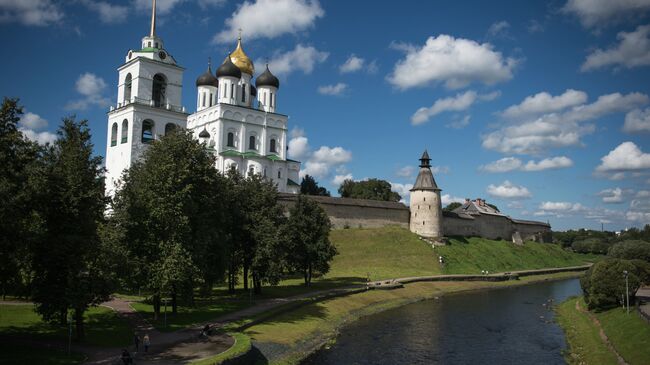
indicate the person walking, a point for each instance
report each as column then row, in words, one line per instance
column 146, row 342
column 136, row 342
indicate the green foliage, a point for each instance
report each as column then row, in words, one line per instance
column 591, row 245
column 567, row 238
column 603, row 284
column 631, row 249
column 373, row 189
column 451, row 206
column 309, row 186
column 636, row 234
column 309, row 250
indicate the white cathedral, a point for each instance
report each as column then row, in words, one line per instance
column 235, row 120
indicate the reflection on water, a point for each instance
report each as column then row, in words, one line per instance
column 505, row 326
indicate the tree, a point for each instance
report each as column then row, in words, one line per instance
column 373, row 189
column 603, row 284
column 309, row 186
column 19, row 159
column 591, row 245
column 451, row 206
column 171, row 210
column 493, row 207
column 631, row 249
column 309, row 250
column 68, row 265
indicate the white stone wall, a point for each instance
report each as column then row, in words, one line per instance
column 426, row 213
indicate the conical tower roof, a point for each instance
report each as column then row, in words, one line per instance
column 425, row 180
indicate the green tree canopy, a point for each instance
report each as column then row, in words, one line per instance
column 373, row 189
column 451, row 206
column 603, row 284
column 631, row 249
column 309, row 186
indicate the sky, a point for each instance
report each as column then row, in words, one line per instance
column 542, row 108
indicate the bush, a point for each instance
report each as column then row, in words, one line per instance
column 631, row 249
column 603, row 284
column 591, row 245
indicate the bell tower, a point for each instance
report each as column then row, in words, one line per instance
column 426, row 206
column 148, row 104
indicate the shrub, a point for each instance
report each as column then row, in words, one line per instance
column 591, row 245
column 631, row 249
column 603, row 284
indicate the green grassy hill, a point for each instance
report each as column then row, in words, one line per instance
column 392, row 252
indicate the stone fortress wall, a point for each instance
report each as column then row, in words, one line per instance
column 360, row 213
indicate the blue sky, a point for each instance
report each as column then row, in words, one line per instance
column 542, row 108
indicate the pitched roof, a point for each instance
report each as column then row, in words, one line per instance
column 425, row 180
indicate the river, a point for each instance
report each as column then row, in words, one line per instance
column 502, row 326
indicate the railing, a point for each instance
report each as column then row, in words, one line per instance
column 149, row 102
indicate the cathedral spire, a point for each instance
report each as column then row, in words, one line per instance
column 153, row 19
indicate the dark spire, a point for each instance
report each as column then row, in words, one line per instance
column 425, row 160
column 425, row 180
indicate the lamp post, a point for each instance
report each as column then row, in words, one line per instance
column 627, row 293
column 69, row 332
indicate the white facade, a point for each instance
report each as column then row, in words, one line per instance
column 244, row 134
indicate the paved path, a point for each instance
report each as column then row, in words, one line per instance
column 643, row 294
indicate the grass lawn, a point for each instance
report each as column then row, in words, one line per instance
column 23, row 354
column 628, row 333
column 582, row 335
column 203, row 311
column 302, row 329
column 103, row 326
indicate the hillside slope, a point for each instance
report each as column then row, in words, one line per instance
column 392, row 252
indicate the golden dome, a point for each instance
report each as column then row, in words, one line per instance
column 241, row 60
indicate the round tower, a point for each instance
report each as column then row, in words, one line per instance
column 267, row 90
column 426, row 206
column 206, row 86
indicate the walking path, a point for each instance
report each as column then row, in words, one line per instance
column 602, row 334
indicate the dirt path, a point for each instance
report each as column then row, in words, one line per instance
column 601, row 332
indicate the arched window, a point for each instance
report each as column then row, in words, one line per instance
column 147, row 131
column 251, row 143
column 231, row 139
column 128, row 82
column 279, row 174
column 169, row 127
column 203, row 99
column 251, row 171
column 125, row 131
column 243, row 93
column 273, row 148
column 232, row 91
column 271, row 101
column 114, row 135
column 159, row 90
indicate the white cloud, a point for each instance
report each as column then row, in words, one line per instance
column 303, row 58
column 543, row 102
column 32, row 121
column 627, row 156
column 352, row 64
column 562, row 129
column 270, row 19
column 561, row 206
column 163, row 7
column 43, row 138
column 502, row 165
column 30, row 12
column 205, row 4
column 339, row 179
column 447, row 199
column 108, row 13
column 456, row 62
column 459, row 123
column 335, row 90
column 499, row 29
column 641, row 217
column 637, row 121
column 633, row 50
column 91, row 87
column 613, row 196
column 333, row 156
column 452, row 103
column 321, row 162
column 596, row 13
column 404, row 190
column 406, row 171
column 548, row 164
column 298, row 147
column 508, row 190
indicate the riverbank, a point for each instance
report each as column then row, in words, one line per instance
column 290, row 337
column 609, row 337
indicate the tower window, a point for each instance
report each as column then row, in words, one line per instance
column 147, row 131
column 279, row 174
column 128, row 82
column 273, row 147
column 159, row 90
column 231, row 140
column 251, row 143
column 169, row 127
column 203, row 99
column 232, row 91
column 125, row 131
column 424, row 199
column 114, row 135
column 271, row 103
column 243, row 93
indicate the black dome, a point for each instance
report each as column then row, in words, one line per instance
column 207, row 79
column 267, row 79
column 253, row 91
column 228, row 69
column 204, row 134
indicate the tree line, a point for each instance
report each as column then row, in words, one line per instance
column 175, row 225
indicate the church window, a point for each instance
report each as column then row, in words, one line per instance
column 125, row 131
column 251, row 143
column 114, row 135
column 231, row 139
column 224, row 92
column 271, row 103
column 210, row 99
column 265, row 172
column 243, row 93
column 232, row 91
column 148, row 44
column 159, row 90
column 273, row 147
column 147, row 131
column 203, row 99
column 169, row 127
column 128, row 82
column 279, row 174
